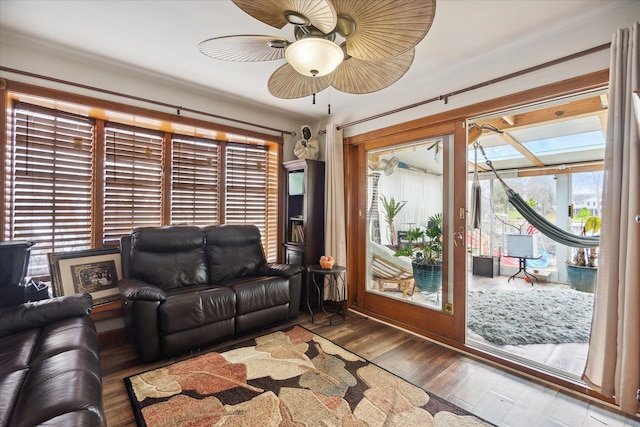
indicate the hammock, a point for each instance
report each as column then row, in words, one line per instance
column 476, row 195
column 547, row 228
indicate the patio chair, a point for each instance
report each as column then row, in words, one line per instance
column 387, row 269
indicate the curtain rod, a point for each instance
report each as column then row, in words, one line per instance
column 178, row 108
column 446, row 97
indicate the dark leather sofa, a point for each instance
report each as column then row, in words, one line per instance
column 50, row 364
column 187, row 287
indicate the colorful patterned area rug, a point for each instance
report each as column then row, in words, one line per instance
column 289, row 378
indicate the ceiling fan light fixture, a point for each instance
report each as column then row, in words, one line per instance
column 314, row 57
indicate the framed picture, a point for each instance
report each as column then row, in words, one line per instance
column 95, row 271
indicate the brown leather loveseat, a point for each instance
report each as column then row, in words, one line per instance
column 187, row 287
column 50, row 364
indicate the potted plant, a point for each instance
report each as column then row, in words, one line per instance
column 427, row 264
column 410, row 248
column 391, row 210
column 583, row 270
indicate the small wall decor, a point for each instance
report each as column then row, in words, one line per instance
column 306, row 147
column 94, row 271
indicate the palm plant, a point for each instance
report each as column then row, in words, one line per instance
column 586, row 257
column 391, row 210
column 582, row 272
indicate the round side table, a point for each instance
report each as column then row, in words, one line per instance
column 335, row 283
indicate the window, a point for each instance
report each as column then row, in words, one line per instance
column 250, row 191
column 49, row 182
column 194, row 181
column 133, row 180
column 72, row 182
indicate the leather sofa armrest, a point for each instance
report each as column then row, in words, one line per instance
column 294, row 274
column 284, row 270
column 44, row 312
column 134, row 289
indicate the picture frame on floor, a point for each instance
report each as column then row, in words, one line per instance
column 94, row 271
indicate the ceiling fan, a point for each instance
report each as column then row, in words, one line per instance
column 355, row 46
column 388, row 166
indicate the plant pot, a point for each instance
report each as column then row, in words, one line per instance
column 428, row 277
column 486, row 266
column 582, row 278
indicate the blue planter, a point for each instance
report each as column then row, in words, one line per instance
column 428, row 278
column 582, row 278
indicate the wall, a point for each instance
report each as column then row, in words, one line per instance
column 88, row 69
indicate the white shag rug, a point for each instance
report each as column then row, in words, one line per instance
column 534, row 316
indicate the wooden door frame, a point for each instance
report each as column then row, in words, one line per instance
column 427, row 322
column 445, row 328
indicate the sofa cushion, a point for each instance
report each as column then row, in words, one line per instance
column 56, row 375
column 233, row 251
column 168, row 257
column 64, row 384
column 16, row 351
column 76, row 333
column 258, row 293
column 189, row 308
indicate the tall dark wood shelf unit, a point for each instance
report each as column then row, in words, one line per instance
column 304, row 212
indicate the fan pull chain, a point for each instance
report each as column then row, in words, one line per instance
column 314, row 99
column 329, row 109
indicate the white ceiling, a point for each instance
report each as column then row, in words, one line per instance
column 162, row 37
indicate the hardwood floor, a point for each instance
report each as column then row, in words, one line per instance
column 497, row 396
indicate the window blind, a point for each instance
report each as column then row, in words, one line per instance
column 249, row 184
column 133, row 180
column 49, row 182
column 194, row 181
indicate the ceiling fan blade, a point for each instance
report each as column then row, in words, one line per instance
column 319, row 13
column 359, row 76
column 287, row 83
column 244, row 48
column 384, row 29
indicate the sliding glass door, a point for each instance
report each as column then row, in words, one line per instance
column 521, row 303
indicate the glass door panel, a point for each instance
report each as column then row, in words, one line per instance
column 405, row 222
column 551, row 154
